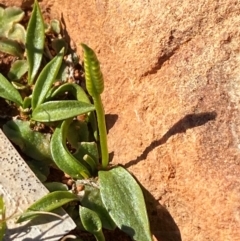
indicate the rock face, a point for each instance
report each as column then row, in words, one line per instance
column 172, row 94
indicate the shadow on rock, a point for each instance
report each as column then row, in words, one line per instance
column 111, row 119
column 187, row 122
column 163, row 226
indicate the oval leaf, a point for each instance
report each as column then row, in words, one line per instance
column 93, row 201
column 55, row 26
column 13, row 14
column 17, row 33
column 34, row 144
column 80, row 95
column 27, row 102
column 7, row 91
column 18, row 69
column 41, row 169
column 62, row 157
column 91, row 222
column 35, row 41
column 8, row 17
column 87, row 148
column 123, row 198
column 78, row 131
column 47, row 203
column 60, row 110
column 11, row 47
column 46, row 79
column 55, row 186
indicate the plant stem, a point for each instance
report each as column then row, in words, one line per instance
column 99, row 236
column 102, row 129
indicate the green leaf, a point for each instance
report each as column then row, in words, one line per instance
column 40, row 168
column 19, row 86
column 89, row 148
column 3, row 224
column 93, row 201
column 74, row 89
column 13, row 14
column 91, row 163
column 47, row 203
column 80, row 95
column 77, row 132
column 11, row 47
column 49, row 93
column 27, row 102
column 46, row 79
column 8, row 17
column 35, row 38
column 58, row 44
column 94, row 125
column 55, row 186
column 91, row 222
column 18, row 69
column 55, row 26
column 61, row 155
column 17, row 33
column 60, row 110
column 88, row 152
column 63, row 72
column 123, row 198
column 7, row 91
column 33, row 144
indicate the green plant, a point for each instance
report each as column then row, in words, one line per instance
column 116, row 200
column 2, row 218
column 34, row 93
column 12, row 34
column 111, row 197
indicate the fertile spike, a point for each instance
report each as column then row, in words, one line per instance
column 93, row 74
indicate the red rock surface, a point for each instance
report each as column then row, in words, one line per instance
column 172, row 98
